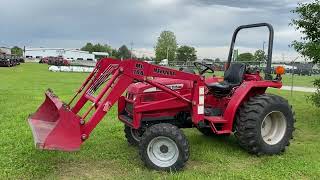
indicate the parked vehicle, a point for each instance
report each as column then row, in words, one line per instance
column 164, row 62
column 303, row 70
column 44, row 60
column 7, row 60
column 57, row 61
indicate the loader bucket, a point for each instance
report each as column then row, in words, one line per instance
column 54, row 126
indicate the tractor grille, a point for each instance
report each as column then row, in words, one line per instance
column 129, row 107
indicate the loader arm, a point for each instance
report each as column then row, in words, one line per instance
column 125, row 73
column 59, row 126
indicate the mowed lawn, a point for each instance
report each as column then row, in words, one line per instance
column 106, row 155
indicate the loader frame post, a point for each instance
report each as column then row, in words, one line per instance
column 122, row 82
column 92, row 79
column 102, row 93
column 84, row 85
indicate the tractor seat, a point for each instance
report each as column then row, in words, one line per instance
column 232, row 77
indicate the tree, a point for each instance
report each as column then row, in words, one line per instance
column 123, row 52
column 217, row 60
column 114, row 53
column 259, row 55
column 307, row 23
column 17, row 51
column 97, row 48
column 166, row 46
column 108, row 49
column 186, row 54
column 245, row 57
column 88, row 47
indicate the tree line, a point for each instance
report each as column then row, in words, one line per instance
column 122, row 53
column 167, row 48
column 258, row 55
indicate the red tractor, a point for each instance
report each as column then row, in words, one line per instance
column 159, row 101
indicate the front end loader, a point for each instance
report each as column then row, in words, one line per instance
column 155, row 102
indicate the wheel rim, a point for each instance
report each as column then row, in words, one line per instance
column 273, row 127
column 163, row 151
column 135, row 134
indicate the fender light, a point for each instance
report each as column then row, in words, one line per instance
column 280, row 70
column 134, row 97
column 131, row 96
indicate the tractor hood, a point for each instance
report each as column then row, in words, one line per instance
column 175, row 84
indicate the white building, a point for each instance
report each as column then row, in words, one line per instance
column 5, row 50
column 70, row 54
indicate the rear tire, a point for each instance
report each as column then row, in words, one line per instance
column 164, row 147
column 265, row 124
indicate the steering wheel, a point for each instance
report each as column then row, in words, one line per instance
column 201, row 70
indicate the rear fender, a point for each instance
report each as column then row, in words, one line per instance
column 242, row 94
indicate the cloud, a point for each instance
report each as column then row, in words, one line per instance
column 204, row 24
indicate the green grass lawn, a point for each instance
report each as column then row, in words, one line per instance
column 107, row 155
column 304, row 81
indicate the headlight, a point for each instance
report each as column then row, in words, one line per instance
column 131, row 96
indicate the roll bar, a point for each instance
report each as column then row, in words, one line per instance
column 268, row 75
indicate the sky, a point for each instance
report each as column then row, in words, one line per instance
column 206, row 25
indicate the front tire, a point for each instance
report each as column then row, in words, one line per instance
column 133, row 136
column 164, row 147
column 265, row 124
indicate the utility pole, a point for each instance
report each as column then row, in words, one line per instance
column 263, row 45
column 264, row 56
column 235, row 55
column 292, row 74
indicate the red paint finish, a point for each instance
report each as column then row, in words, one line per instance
column 61, row 126
column 247, row 89
column 54, row 126
column 153, row 92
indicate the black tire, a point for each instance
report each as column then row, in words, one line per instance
column 248, row 127
column 133, row 136
column 175, row 135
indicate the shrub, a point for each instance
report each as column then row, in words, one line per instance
column 315, row 98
